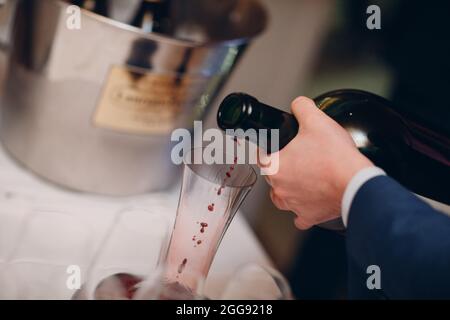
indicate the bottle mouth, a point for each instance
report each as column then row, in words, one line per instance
column 232, row 111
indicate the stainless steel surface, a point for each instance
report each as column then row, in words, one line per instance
column 57, row 117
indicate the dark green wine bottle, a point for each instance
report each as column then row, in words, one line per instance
column 416, row 156
column 100, row 7
column 152, row 16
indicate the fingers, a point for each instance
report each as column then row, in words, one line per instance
column 277, row 201
column 302, row 223
column 263, row 159
column 304, row 109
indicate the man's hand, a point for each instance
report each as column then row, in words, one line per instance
column 315, row 167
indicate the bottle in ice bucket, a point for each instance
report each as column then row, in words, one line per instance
column 152, row 15
column 100, row 7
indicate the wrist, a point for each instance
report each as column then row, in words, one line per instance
column 349, row 169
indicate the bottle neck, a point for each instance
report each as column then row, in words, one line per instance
column 242, row 111
column 151, row 15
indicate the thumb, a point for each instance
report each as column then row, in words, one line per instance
column 304, row 109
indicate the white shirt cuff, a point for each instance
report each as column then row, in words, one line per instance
column 355, row 183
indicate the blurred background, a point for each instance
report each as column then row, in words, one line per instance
column 313, row 46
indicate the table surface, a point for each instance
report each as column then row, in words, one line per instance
column 22, row 193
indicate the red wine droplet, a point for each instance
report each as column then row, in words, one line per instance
column 182, row 265
column 211, row 207
column 199, row 242
column 219, row 192
column 203, row 225
column 228, row 175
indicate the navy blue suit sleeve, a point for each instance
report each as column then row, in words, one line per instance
column 390, row 227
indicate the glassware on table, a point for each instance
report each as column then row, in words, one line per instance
column 156, row 287
column 131, row 250
column 209, row 198
column 255, row 282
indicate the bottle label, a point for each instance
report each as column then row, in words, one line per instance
column 139, row 101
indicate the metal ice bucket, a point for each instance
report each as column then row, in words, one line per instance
column 93, row 109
